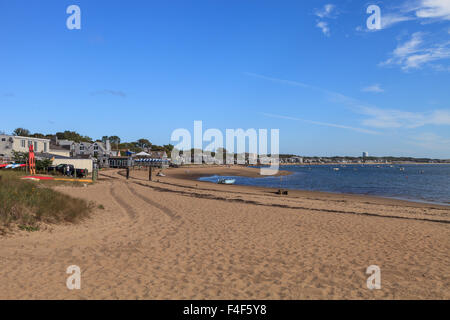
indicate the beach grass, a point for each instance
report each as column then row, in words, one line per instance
column 27, row 203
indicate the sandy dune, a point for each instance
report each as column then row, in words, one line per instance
column 183, row 239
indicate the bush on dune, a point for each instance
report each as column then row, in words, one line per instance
column 27, row 203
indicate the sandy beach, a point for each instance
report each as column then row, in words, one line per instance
column 178, row 238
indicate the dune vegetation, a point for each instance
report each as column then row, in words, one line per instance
column 28, row 203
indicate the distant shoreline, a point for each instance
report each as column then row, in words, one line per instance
column 193, row 173
column 361, row 164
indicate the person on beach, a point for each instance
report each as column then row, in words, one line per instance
column 68, row 170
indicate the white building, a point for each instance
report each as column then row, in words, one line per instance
column 365, row 154
column 8, row 144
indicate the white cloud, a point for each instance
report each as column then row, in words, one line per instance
column 430, row 141
column 319, row 123
column 382, row 118
column 326, row 12
column 422, row 10
column 388, row 20
column 441, row 68
column 416, row 52
column 376, row 88
column 434, row 9
column 324, row 27
column 375, row 117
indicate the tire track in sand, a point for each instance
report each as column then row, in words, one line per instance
column 173, row 228
column 177, row 220
column 164, row 209
column 128, row 209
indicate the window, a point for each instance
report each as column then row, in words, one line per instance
column 3, row 139
column 95, row 147
column 45, row 146
column 22, row 143
column 30, row 143
column 35, row 146
column 81, row 146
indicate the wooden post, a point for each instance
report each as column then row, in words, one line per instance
column 150, row 173
column 94, row 173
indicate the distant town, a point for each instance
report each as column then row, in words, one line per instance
column 83, row 152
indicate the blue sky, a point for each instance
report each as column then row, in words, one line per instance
column 309, row 68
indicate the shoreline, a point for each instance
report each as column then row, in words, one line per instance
column 178, row 238
column 194, row 173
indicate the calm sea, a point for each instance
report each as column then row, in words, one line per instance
column 425, row 183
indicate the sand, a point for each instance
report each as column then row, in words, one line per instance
column 183, row 239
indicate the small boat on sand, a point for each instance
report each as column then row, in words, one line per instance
column 226, row 181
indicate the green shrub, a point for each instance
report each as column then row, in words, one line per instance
column 27, row 203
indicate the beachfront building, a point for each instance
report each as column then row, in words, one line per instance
column 119, row 162
column 151, row 158
column 10, row 144
column 98, row 150
column 294, row 160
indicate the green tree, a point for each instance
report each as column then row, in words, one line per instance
column 168, row 147
column 21, row 132
column 157, row 148
column 72, row 136
column 42, row 165
column 104, row 138
column 20, row 157
column 38, row 135
column 143, row 143
column 115, row 141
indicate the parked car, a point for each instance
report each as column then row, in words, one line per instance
column 62, row 169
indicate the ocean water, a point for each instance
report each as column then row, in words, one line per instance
column 424, row 183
